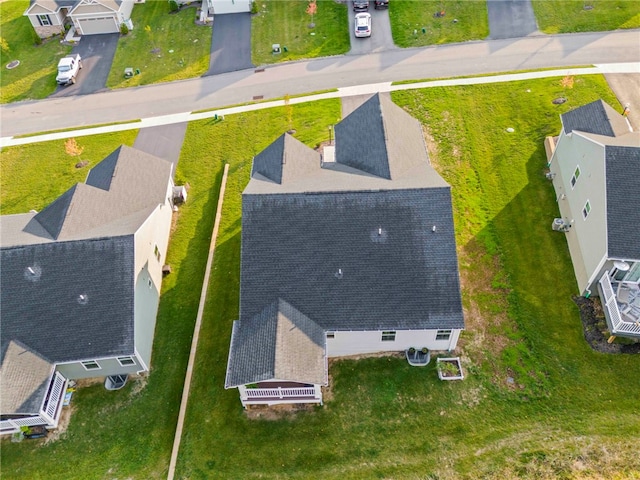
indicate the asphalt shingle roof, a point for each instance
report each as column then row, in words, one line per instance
column 365, row 243
column 596, row 117
column 277, row 343
column 623, row 201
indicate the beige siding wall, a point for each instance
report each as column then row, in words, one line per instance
column 108, row 366
column 230, row 6
column 353, row 343
column 587, row 237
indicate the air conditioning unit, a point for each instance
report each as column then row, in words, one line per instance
column 559, row 225
column 550, row 175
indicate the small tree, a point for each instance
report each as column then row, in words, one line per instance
column 312, row 8
column 124, row 30
column 72, row 148
column 173, row 6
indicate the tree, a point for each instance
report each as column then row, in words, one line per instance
column 312, row 8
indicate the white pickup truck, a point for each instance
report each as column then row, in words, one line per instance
column 68, row 68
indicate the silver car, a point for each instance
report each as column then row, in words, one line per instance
column 363, row 25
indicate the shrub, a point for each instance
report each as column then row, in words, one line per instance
column 4, row 45
column 124, row 30
column 36, row 39
column 173, row 6
column 254, row 7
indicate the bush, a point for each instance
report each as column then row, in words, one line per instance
column 4, row 45
column 254, row 7
column 124, row 30
column 173, row 6
column 36, row 39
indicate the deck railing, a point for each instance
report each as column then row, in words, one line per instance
column 13, row 425
column 610, row 303
column 255, row 393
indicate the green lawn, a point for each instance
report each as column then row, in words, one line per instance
column 409, row 16
column 287, row 23
column 34, row 175
column 172, row 48
column 569, row 413
column 568, row 16
column 35, row 77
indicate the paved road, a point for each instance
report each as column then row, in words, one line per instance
column 333, row 72
column 511, row 18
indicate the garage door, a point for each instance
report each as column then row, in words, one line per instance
column 91, row 26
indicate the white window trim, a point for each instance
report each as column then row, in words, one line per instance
column 585, row 209
column 91, row 369
column 45, row 21
column 388, row 333
column 127, row 358
column 574, row 177
column 447, row 331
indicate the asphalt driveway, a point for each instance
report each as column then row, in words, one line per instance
column 511, row 18
column 97, row 52
column 380, row 39
column 230, row 43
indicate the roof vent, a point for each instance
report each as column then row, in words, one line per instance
column 433, row 229
column 83, row 299
column 338, row 274
column 33, row 273
column 379, row 235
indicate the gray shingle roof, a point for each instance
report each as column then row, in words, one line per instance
column 42, row 307
column 272, row 162
column 125, row 182
column 352, row 244
column 24, row 379
column 623, row 201
column 596, row 117
column 278, row 343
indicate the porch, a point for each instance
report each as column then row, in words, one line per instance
column 621, row 304
column 275, row 393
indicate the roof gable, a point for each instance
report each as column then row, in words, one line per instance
column 623, row 201
column 24, row 379
column 282, row 343
column 596, row 117
column 285, row 160
column 88, row 7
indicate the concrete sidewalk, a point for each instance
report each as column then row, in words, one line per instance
column 625, row 68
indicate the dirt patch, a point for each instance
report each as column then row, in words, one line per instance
column 63, row 424
column 595, row 328
column 277, row 412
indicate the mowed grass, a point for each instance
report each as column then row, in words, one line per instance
column 568, row 16
column 35, row 175
column 172, row 48
column 287, row 23
column 569, row 412
column 408, row 19
column 35, row 77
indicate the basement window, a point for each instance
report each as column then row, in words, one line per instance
column 156, row 252
column 126, row 361
column 575, row 177
column 443, row 334
column 331, row 334
column 389, row 336
column 91, row 365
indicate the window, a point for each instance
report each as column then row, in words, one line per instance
column 126, row 361
column 44, row 20
column 156, row 252
column 586, row 210
column 443, row 334
column 331, row 334
column 389, row 336
column 575, row 177
column 91, row 365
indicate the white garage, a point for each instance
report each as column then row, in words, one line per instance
column 96, row 25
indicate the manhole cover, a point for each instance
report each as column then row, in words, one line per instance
column 13, row 64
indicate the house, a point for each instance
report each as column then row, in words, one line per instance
column 345, row 252
column 80, row 285
column 209, row 8
column 595, row 169
column 88, row 17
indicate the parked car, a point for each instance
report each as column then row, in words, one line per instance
column 68, row 68
column 363, row 25
column 360, row 5
column 381, row 4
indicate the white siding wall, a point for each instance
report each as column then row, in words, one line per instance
column 125, row 10
column 354, row 343
column 586, row 238
column 155, row 231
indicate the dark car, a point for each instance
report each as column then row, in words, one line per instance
column 360, row 5
column 381, row 4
